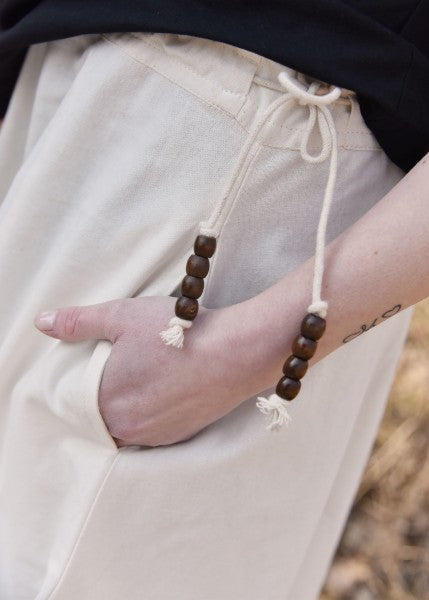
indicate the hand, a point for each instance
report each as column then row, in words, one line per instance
column 152, row 394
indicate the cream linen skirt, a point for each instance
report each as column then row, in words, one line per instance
column 114, row 148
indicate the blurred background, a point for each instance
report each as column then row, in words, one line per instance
column 384, row 550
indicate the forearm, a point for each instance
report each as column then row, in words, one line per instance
column 379, row 263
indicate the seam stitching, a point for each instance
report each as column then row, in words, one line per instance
column 175, row 81
column 345, row 131
column 344, row 146
column 176, row 61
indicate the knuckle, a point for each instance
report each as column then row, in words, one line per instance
column 71, row 320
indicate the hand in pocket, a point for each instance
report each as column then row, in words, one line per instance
column 152, row 394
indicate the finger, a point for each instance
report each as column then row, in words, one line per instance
column 77, row 323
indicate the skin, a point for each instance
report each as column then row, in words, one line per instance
column 152, row 394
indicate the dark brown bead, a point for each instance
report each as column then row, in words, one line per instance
column 313, row 326
column 288, row 388
column 192, row 287
column 205, row 246
column 186, row 308
column 198, row 266
column 303, row 347
column 295, row 367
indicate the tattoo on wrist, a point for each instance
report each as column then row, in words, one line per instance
column 364, row 327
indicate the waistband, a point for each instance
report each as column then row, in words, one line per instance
column 218, row 73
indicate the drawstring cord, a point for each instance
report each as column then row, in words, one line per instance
column 318, row 109
column 275, row 406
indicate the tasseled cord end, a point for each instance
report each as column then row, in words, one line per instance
column 173, row 336
column 196, row 268
column 275, row 408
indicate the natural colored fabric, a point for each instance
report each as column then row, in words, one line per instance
column 113, row 150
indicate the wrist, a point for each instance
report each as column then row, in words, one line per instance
column 258, row 334
column 254, row 338
column 262, row 329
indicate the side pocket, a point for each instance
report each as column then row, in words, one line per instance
column 91, row 385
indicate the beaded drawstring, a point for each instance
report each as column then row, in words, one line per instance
column 197, row 267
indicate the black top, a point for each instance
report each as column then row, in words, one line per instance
column 378, row 48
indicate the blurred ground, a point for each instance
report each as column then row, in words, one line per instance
column 384, row 551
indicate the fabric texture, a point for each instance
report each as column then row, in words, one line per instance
column 114, row 148
column 379, row 49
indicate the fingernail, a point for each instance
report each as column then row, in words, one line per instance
column 45, row 320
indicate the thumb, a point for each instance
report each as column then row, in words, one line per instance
column 77, row 323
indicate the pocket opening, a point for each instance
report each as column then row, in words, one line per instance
column 91, row 385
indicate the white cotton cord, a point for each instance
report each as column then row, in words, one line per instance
column 304, row 96
column 209, row 231
column 276, row 409
column 274, row 406
column 318, row 110
column 319, row 306
column 173, row 336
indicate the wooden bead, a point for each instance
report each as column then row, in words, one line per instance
column 205, row 246
column 303, row 347
column 288, row 388
column 186, row 308
column 198, row 266
column 295, row 367
column 313, row 326
column 192, row 287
